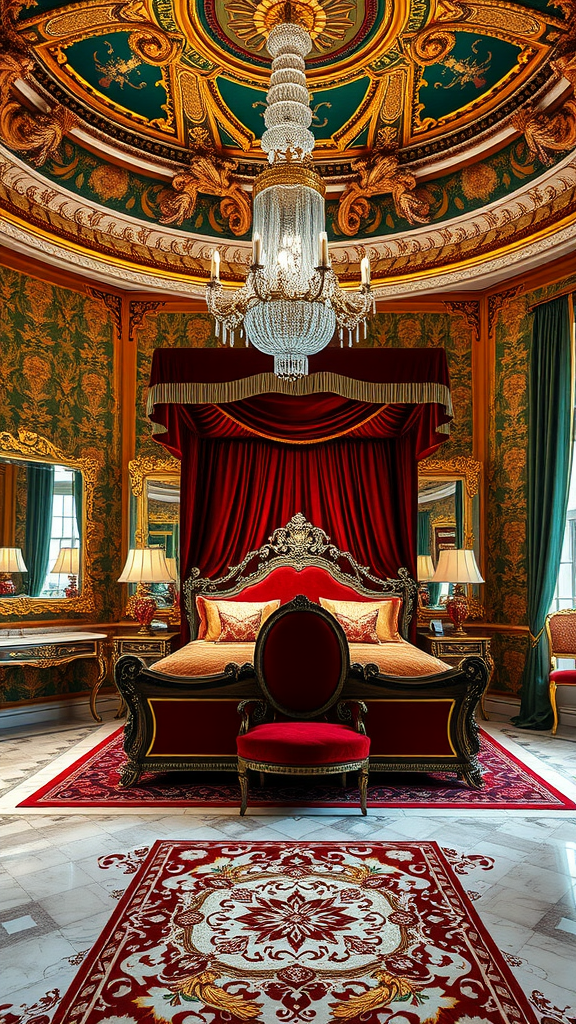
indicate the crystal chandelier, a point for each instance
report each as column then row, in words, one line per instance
column 291, row 303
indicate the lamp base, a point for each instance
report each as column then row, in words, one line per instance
column 7, row 587
column 143, row 607
column 457, row 608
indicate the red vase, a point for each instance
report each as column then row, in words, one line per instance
column 144, row 609
column 457, row 608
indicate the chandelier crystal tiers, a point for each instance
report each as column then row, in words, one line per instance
column 291, row 303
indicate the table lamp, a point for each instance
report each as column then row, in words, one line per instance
column 143, row 567
column 68, row 562
column 11, row 560
column 458, row 566
column 425, row 572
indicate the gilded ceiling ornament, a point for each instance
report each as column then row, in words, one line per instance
column 213, row 176
column 432, row 46
column 379, row 175
column 327, row 21
column 546, row 134
column 37, row 135
column 13, row 65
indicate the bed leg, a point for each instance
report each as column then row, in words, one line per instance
column 472, row 776
column 131, row 772
column 243, row 780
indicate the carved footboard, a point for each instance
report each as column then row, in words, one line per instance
column 179, row 723
column 423, row 723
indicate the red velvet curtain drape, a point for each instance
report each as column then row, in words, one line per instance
column 248, row 466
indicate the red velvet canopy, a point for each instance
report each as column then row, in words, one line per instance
column 340, row 445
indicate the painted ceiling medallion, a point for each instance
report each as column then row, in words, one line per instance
column 328, row 23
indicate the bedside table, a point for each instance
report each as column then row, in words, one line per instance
column 150, row 648
column 452, row 649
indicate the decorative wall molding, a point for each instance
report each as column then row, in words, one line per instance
column 113, row 304
column 138, row 310
column 470, row 310
column 497, row 302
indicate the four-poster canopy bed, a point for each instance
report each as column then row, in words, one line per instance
column 308, row 488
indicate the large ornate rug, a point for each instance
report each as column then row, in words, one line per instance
column 314, row 933
column 92, row 781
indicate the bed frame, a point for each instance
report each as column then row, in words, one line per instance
column 422, row 723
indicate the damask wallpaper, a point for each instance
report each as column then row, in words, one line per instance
column 57, row 379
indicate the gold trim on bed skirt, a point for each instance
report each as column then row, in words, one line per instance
column 192, row 393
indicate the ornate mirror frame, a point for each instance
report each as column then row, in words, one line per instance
column 141, row 470
column 30, row 447
column 470, row 472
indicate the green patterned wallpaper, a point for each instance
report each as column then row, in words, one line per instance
column 436, row 330
column 56, row 379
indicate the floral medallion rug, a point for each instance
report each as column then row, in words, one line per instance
column 302, row 933
column 93, row 781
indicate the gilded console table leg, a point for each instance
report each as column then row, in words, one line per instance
column 243, row 780
column 102, row 673
column 490, row 662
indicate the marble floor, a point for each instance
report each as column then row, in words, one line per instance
column 58, row 886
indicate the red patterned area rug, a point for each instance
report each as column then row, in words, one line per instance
column 315, row 933
column 92, row 781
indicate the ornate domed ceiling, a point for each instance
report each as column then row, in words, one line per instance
column 445, row 131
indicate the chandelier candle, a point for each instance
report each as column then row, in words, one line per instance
column 290, row 304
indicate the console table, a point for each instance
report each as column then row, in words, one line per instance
column 453, row 649
column 43, row 649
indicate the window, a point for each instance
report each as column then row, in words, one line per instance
column 64, row 532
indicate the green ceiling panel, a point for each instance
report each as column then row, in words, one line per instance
column 108, row 64
column 338, row 106
column 469, row 71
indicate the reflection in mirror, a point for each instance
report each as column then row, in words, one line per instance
column 163, row 519
column 440, row 527
column 40, row 514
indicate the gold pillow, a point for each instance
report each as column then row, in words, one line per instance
column 239, row 609
column 388, row 612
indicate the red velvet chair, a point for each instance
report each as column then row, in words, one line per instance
column 561, row 631
column 302, row 661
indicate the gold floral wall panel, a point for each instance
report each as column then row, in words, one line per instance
column 164, row 330
column 57, row 379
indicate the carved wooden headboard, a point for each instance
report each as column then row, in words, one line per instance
column 299, row 547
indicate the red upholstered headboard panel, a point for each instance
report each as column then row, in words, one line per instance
column 286, row 582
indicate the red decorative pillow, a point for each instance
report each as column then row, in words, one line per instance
column 361, row 630
column 239, row 628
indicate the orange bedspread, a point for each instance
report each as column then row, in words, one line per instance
column 202, row 658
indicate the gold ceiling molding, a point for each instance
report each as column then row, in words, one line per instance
column 470, row 310
column 534, row 222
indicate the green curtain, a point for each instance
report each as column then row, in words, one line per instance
column 40, row 486
column 423, row 533
column 550, row 417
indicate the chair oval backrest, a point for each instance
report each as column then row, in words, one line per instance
column 301, row 659
column 562, row 631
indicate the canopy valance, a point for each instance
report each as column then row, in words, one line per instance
column 341, row 446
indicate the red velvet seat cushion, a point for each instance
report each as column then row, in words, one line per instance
column 566, row 676
column 303, row 743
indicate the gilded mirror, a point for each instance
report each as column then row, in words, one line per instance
column 448, row 517
column 155, row 486
column 46, row 527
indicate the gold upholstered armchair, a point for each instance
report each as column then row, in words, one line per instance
column 561, row 632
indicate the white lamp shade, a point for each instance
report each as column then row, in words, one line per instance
column 67, row 562
column 457, row 565
column 146, row 565
column 11, row 560
column 425, row 569
column 171, row 563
